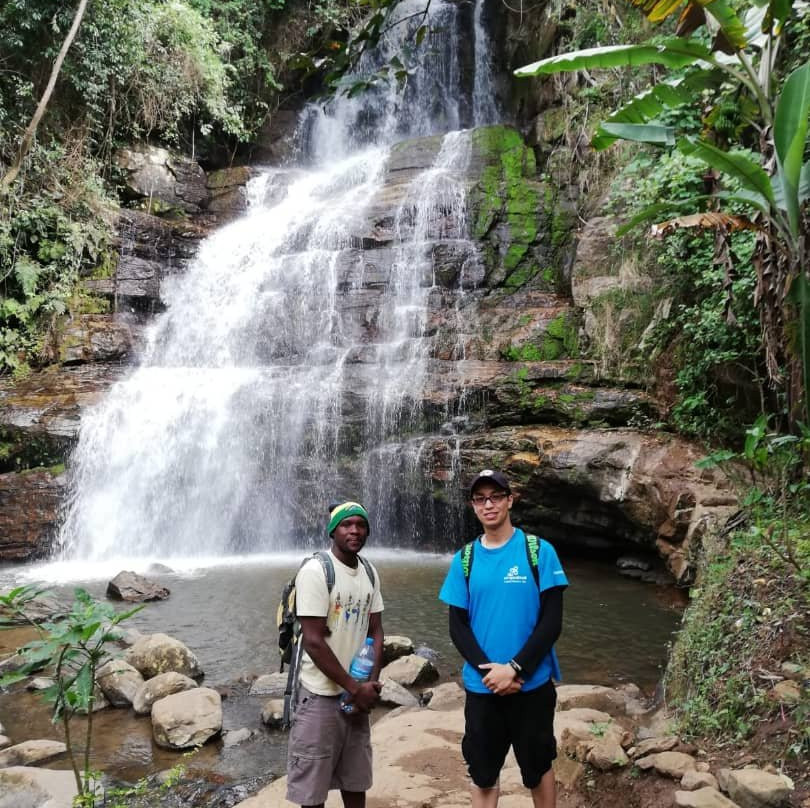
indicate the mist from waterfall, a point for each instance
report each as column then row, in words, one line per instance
column 281, row 375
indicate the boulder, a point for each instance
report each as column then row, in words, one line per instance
column 410, row 671
column 606, row 754
column 669, row 764
column 100, row 701
column 92, row 338
column 394, row 694
column 271, row 684
column 4, row 741
column 595, row 697
column 22, row 754
column 135, row 588
column 273, row 713
column 703, row 798
column 159, row 653
column 755, row 788
column 28, row 787
column 163, row 179
column 579, row 730
column 119, row 682
column 160, row 686
column 694, row 780
column 187, row 719
column 396, row 646
column 446, row 696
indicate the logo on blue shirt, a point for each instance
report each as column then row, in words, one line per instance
column 514, row 576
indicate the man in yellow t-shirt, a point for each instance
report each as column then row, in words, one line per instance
column 328, row 748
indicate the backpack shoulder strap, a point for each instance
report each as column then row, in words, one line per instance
column 533, row 554
column 328, row 568
column 467, row 556
column 369, row 571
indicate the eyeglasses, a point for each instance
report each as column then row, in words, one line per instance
column 495, row 499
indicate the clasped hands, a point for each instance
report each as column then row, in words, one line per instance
column 502, row 680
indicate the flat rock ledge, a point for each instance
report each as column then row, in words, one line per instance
column 29, row 786
column 418, row 763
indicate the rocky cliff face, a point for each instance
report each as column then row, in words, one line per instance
column 509, row 381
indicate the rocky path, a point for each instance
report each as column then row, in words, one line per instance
column 612, row 752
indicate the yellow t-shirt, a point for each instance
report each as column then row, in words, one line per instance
column 346, row 609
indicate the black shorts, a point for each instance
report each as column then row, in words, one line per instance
column 524, row 721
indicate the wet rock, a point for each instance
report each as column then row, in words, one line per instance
column 160, row 686
column 234, row 737
column 92, row 338
column 129, row 636
column 157, row 175
column 119, row 682
column 693, row 780
column 669, row 764
column 394, row 694
column 159, row 653
column 754, row 788
column 99, row 701
column 396, row 646
column 37, row 751
column 446, row 696
column 703, row 798
column 28, row 787
column 187, row 719
column 226, row 188
column 273, row 713
column 135, row 588
column 29, row 512
column 271, row 684
column 410, row 671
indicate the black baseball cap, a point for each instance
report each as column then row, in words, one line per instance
column 490, row 476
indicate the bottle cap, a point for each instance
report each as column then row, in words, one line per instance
column 369, row 640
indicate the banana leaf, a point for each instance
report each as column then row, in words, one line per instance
column 671, row 52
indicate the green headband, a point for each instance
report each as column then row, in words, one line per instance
column 344, row 511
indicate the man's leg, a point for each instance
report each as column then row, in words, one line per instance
column 353, row 799
column 485, row 797
column 545, row 795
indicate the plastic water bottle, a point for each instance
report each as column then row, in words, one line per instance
column 360, row 671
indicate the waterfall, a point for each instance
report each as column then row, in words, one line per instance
column 289, row 366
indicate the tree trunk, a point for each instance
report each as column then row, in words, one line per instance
column 31, row 129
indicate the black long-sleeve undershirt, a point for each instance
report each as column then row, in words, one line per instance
column 544, row 635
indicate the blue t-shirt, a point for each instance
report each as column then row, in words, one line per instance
column 504, row 603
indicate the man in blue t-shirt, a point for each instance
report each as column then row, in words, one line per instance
column 505, row 627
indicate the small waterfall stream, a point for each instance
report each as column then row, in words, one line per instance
column 287, row 368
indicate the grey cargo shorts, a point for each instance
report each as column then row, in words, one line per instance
column 327, row 750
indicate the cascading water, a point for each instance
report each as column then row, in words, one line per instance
column 288, row 366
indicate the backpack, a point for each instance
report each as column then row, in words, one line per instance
column 290, row 647
column 532, row 545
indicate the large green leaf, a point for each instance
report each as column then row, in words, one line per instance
column 730, row 24
column 640, row 132
column 746, row 171
column 800, row 296
column 671, row 52
column 789, row 137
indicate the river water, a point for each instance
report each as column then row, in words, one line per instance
column 616, row 630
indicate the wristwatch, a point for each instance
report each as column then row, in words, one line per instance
column 514, row 665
